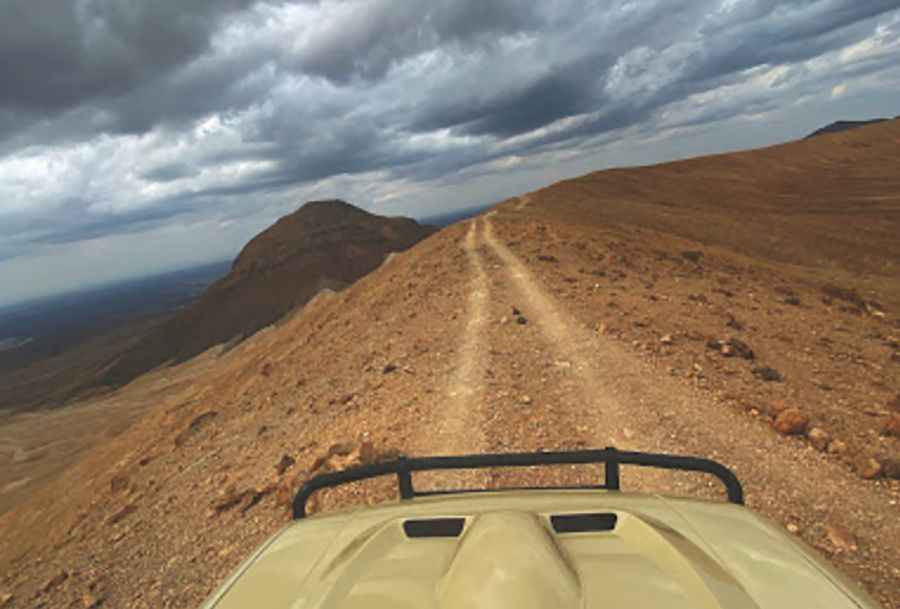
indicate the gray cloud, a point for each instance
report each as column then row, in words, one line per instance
column 57, row 54
column 119, row 117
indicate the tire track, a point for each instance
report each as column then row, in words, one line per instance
column 568, row 343
column 458, row 427
column 779, row 477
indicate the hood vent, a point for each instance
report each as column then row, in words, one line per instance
column 583, row 523
column 434, row 527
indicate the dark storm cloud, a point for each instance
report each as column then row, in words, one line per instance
column 373, row 36
column 58, row 55
column 562, row 90
column 218, row 102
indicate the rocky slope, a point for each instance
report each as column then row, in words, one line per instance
column 724, row 307
column 323, row 245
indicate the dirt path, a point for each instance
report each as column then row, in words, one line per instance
column 523, row 202
column 629, row 404
column 603, row 419
column 458, row 425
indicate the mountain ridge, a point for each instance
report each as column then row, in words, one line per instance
column 325, row 244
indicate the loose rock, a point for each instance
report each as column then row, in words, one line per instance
column 892, row 426
column 791, row 422
column 734, row 323
column 284, row 464
column 123, row 513
column 667, row 339
column 818, row 437
column 868, row 468
column 894, row 404
column 840, row 538
column 837, row 447
column 521, row 320
column 890, row 468
column 767, row 374
column 775, row 408
column 118, row 483
column 196, row 425
column 54, row 581
column 732, row 348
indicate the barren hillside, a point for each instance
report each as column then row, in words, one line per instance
column 743, row 307
column 324, row 244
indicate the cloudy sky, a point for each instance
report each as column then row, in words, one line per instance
column 138, row 136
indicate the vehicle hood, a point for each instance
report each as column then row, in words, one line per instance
column 646, row 551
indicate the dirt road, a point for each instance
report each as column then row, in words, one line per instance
column 556, row 383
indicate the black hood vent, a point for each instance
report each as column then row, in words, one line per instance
column 583, row 523
column 434, row 527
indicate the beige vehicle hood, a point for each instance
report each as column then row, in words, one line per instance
column 660, row 552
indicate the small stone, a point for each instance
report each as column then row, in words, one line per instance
column 521, row 320
column 734, row 323
column 693, row 256
column 226, row 551
column 892, row 426
column 118, row 483
column 837, row 447
column 54, row 581
column 6, row 599
column 504, row 320
column 284, row 464
column 388, row 368
column 601, row 328
column 818, row 437
column 667, row 339
column 840, row 538
column 123, row 513
column 366, row 452
column 198, row 423
column 890, row 468
column 767, row 374
column 740, row 349
column 791, row 422
column 792, row 528
column 894, row 404
column 89, row 601
column 525, row 399
column 516, row 312
column 868, row 468
column 776, row 407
